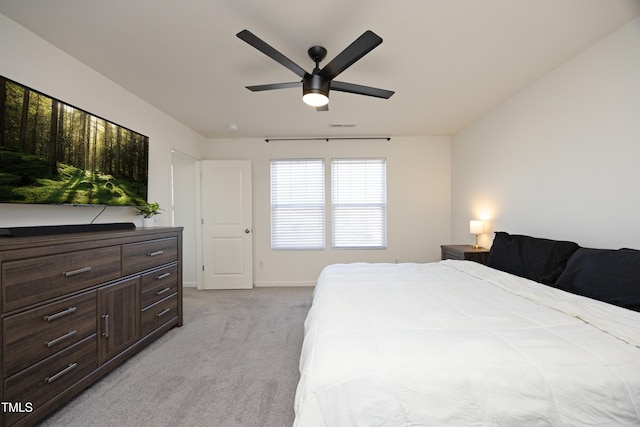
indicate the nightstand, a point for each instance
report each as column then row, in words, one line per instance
column 465, row 252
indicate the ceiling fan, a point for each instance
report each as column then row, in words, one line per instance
column 316, row 86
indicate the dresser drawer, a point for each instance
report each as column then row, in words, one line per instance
column 34, row 280
column 465, row 252
column 159, row 284
column 52, row 376
column 145, row 255
column 157, row 315
column 452, row 254
column 36, row 334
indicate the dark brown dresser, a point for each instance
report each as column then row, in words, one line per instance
column 75, row 306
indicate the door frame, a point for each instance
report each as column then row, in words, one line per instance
column 194, row 239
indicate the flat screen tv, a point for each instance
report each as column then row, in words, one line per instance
column 54, row 153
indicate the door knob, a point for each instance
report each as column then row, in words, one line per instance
column 246, row 230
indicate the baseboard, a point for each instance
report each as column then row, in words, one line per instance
column 283, row 284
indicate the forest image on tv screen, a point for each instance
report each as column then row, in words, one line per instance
column 51, row 152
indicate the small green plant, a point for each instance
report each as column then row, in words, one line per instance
column 148, row 210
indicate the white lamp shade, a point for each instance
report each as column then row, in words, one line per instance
column 476, row 227
column 315, row 99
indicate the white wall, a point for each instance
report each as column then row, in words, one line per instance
column 558, row 160
column 418, row 192
column 561, row 159
column 34, row 62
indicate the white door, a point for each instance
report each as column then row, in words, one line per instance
column 226, row 224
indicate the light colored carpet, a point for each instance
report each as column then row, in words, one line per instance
column 233, row 363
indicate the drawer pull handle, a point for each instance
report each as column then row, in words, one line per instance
column 162, row 291
column 163, row 312
column 65, row 371
column 62, row 338
column 78, row 271
column 163, row 276
column 155, row 253
column 58, row 315
column 105, row 325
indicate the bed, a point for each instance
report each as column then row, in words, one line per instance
column 455, row 343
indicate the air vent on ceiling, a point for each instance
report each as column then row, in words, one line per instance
column 342, row 125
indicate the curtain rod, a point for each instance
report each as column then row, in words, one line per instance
column 325, row 138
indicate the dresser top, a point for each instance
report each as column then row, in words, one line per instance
column 95, row 237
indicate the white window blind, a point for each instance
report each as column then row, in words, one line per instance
column 359, row 203
column 297, row 204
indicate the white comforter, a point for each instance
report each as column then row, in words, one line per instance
column 456, row 343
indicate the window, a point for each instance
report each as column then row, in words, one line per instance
column 297, row 204
column 359, row 203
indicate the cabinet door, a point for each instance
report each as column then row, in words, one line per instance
column 118, row 317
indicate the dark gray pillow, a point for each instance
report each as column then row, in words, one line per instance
column 607, row 275
column 542, row 260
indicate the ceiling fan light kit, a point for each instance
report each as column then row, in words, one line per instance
column 315, row 90
column 316, row 85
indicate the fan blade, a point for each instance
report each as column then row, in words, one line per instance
column 263, row 47
column 323, row 108
column 361, row 90
column 259, row 88
column 356, row 50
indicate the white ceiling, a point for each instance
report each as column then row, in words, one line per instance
column 449, row 61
